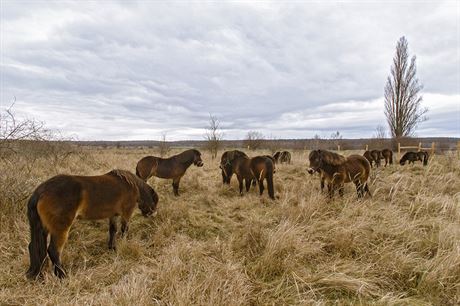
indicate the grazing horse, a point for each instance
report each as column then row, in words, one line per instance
column 226, row 164
column 388, row 156
column 338, row 170
column 248, row 170
column 282, row 157
column 369, row 157
column 412, row 157
column 56, row 203
column 376, row 156
column 173, row 167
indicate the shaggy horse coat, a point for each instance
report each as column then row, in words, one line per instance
column 339, row 170
column 173, row 167
column 226, row 164
column 412, row 157
column 259, row 168
column 57, row 202
column 388, row 156
column 282, row 157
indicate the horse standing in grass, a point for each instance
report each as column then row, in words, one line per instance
column 282, row 157
column 412, row 157
column 258, row 169
column 339, row 170
column 173, row 167
column 226, row 164
column 56, row 203
column 388, row 156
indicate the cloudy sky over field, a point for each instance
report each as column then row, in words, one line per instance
column 112, row 70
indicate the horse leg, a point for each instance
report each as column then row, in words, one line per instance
column 175, row 185
column 359, row 189
column 261, row 186
column 112, row 232
column 247, row 184
column 240, row 183
column 341, row 187
column 322, row 183
column 55, row 250
column 124, row 227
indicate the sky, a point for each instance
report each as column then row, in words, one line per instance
column 116, row 70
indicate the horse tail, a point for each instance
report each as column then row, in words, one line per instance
column 269, row 176
column 38, row 237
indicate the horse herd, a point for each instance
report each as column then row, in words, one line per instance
column 57, row 202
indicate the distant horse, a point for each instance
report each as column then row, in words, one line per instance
column 282, row 157
column 338, row 170
column 388, row 156
column 173, row 167
column 57, row 202
column 369, row 157
column 226, row 164
column 412, row 157
column 258, row 168
column 377, row 156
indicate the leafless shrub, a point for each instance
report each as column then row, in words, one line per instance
column 336, row 139
column 164, row 147
column 254, row 140
column 213, row 136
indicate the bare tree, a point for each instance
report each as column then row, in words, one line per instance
column 12, row 131
column 402, row 100
column 336, row 139
column 380, row 132
column 163, row 146
column 254, row 140
column 213, row 136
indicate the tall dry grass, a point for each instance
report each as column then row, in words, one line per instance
column 211, row 246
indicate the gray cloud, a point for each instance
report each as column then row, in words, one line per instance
column 113, row 70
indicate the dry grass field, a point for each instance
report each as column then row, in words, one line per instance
column 212, row 247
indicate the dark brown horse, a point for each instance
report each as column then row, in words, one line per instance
column 369, row 157
column 226, row 164
column 388, row 156
column 56, row 203
column 322, row 177
column 282, row 157
column 412, row 157
column 173, row 167
column 376, row 156
column 338, row 170
column 259, row 168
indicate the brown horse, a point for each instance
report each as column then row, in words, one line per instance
column 173, row 167
column 282, row 157
column 56, row 203
column 226, row 164
column 263, row 167
column 388, row 156
column 339, row 170
column 369, row 157
column 376, row 156
column 412, row 157
column 258, row 168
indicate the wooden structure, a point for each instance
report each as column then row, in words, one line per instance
column 418, row 148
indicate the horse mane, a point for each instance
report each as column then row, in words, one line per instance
column 125, row 175
column 331, row 158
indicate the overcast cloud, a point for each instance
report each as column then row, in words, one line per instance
column 113, row 70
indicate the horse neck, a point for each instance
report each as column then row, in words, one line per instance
column 330, row 169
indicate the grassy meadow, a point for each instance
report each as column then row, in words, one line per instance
column 210, row 246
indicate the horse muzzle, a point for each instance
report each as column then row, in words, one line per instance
column 199, row 164
column 311, row 170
